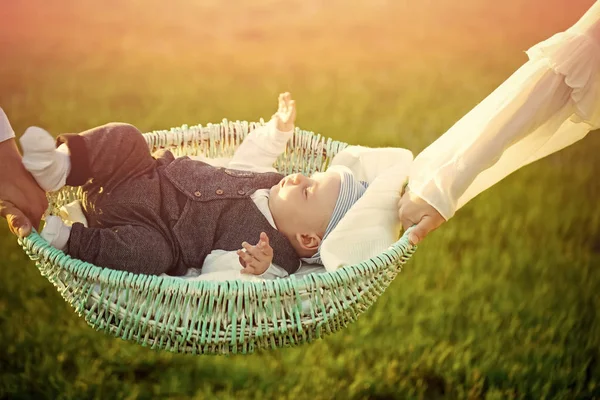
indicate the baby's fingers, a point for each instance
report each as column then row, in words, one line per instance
column 245, row 258
column 249, row 270
column 263, row 244
column 257, row 252
column 266, row 251
column 287, row 97
column 252, row 250
column 250, row 264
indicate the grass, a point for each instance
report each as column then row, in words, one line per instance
column 501, row 302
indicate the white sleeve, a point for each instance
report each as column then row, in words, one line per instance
column 273, row 272
column 368, row 163
column 260, row 149
column 222, row 260
column 551, row 102
column 6, row 131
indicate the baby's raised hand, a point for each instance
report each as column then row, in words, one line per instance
column 286, row 113
column 256, row 259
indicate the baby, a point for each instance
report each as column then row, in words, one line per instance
column 163, row 214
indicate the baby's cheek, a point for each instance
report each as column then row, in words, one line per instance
column 279, row 206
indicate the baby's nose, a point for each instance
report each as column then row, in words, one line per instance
column 297, row 178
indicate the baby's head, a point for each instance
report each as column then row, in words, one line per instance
column 306, row 209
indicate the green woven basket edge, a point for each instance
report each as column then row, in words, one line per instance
column 393, row 258
column 35, row 246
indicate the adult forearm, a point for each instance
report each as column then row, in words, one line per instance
column 9, row 155
column 497, row 140
column 22, row 202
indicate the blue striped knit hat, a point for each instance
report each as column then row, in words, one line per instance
column 351, row 190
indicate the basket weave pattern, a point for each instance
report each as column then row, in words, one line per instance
column 205, row 317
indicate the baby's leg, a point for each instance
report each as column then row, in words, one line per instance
column 140, row 249
column 108, row 154
column 129, row 238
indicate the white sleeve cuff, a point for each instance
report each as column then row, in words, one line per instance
column 272, row 139
column 274, row 271
column 6, row 131
column 435, row 197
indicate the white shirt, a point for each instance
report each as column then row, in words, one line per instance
column 6, row 131
column 552, row 101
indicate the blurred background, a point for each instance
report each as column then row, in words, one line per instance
column 501, row 302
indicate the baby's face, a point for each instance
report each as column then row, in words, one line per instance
column 304, row 205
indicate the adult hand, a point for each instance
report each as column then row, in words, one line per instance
column 22, row 202
column 414, row 210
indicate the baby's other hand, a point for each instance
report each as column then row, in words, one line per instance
column 256, row 259
column 285, row 117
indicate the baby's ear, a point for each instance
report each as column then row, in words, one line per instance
column 309, row 241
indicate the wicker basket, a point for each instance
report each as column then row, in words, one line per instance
column 205, row 317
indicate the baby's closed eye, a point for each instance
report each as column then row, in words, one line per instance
column 308, row 190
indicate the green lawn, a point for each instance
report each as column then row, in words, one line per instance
column 501, row 302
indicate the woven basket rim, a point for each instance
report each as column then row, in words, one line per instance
column 36, row 247
column 398, row 252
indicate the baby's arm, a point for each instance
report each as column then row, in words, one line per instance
column 222, row 260
column 262, row 146
column 367, row 163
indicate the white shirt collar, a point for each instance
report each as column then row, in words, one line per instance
column 261, row 199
